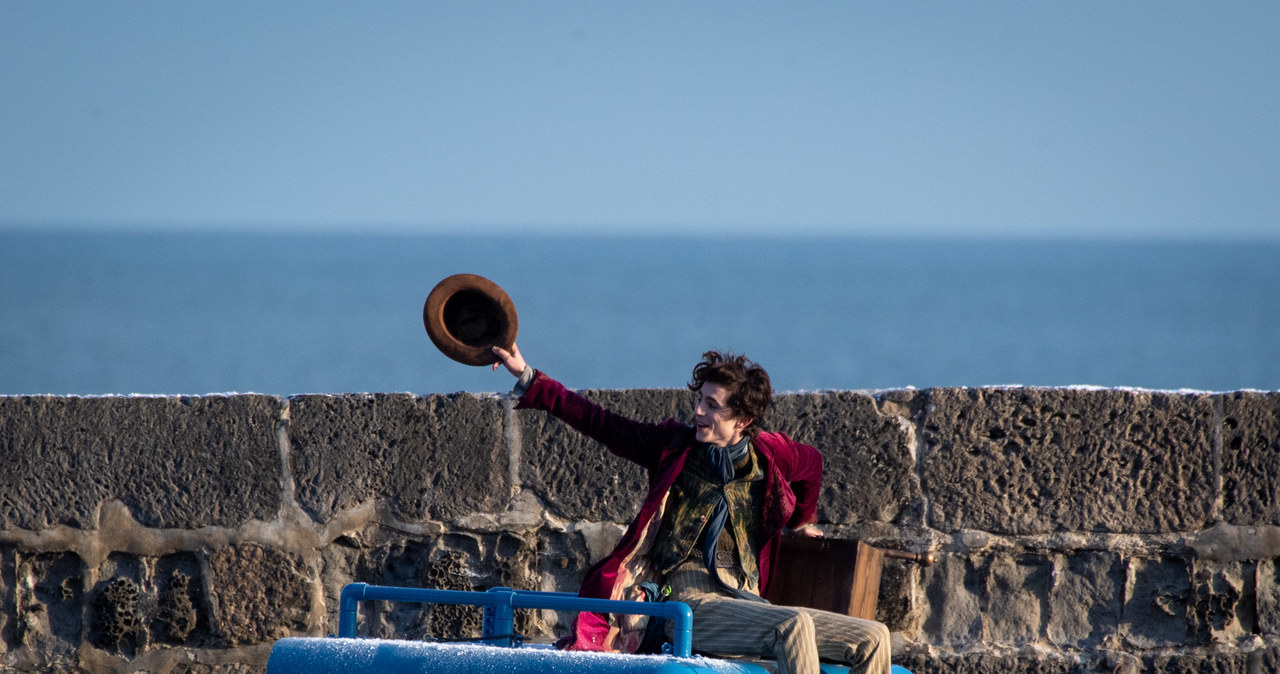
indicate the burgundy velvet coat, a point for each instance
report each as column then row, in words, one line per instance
column 793, row 476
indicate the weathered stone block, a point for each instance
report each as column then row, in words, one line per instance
column 1199, row 663
column 469, row 562
column 1156, row 610
column 576, row 477
column 1268, row 597
column 1251, row 458
column 432, row 457
column 868, row 466
column 181, row 607
column 47, row 601
column 117, row 606
column 8, row 604
column 118, row 618
column 981, row 663
column 262, row 594
column 895, row 604
column 404, row 562
column 1027, row 461
column 1264, row 660
column 1216, row 590
column 564, row 558
column 180, row 462
column 953, row 590
column 1014, row 598
column 1085, row 601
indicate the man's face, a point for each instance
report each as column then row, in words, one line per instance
column 714, row 421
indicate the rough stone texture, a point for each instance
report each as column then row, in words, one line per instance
column 136, row 607
column 953, row 613
column 1014, row 596
column 338, row 566
column 48, row 596
column 178, row 617
column 262, row 594
column 457, row 561
column 433, row 457
column 1268, row 597
column 576, row 477
column 118, row 617
column 1085, row 601
column 895, row 605
column 1264, row 660
column 993, row 664
column 1251, row 458
column 1261, row 661
column 867, row 462
column 1026, row 461
column 8, row 605
column 180, row 462
column 406, row 562
column 1204, row 663
column 1116, row 569
column 1156, row 613
column 1216, row 591
column 563, row 559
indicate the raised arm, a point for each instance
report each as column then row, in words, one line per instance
column 633, row 440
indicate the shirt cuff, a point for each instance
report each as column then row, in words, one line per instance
column 522, row 384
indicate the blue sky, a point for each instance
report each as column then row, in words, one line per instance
column 1018, row 119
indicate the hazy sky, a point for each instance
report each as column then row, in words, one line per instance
column 1022, row 118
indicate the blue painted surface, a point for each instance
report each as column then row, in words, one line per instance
column 347, row 653
column 383, row 656
column 306, row 655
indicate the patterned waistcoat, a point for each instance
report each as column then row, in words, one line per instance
column 689, row 506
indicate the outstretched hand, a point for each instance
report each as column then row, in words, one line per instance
column 511, row 359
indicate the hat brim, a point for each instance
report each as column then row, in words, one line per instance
column 467, row 315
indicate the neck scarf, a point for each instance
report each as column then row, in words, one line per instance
column 723, row 460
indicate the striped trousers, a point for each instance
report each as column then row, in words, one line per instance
column 797, row 637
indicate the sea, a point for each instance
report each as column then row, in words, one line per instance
column 100, row 312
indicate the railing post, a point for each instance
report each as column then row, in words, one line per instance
column 500, row 616
column 348, row 608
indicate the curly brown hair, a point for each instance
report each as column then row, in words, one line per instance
column 746, row 382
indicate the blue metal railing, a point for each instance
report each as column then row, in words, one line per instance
column 500, row 603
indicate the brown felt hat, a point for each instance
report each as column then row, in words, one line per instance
column 466, row 315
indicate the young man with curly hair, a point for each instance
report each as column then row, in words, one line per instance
column 721, row 494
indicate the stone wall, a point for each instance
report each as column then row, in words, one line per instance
column 1077, row 530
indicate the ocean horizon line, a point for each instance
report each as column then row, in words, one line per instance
column 552, row 232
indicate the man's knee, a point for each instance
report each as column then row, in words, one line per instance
column 799, row 622
column 795, row 643
column 794, row 632
column 876, row 642
column 882, row 634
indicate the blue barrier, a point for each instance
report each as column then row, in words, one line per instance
column 500, row 603
column 348, row 653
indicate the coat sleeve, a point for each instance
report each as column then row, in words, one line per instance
column 635, row 441
column 803, row 472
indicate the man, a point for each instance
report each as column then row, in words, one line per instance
column 708, row 533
